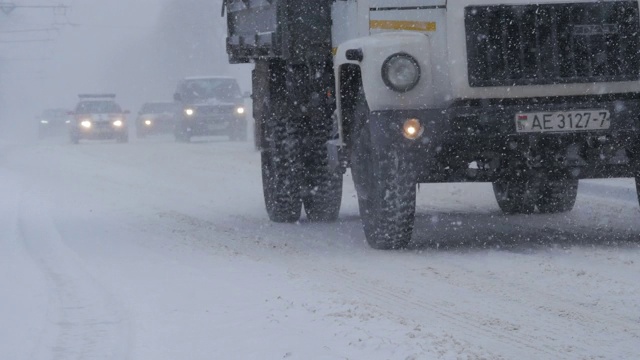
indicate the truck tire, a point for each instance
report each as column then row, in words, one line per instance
column 281, row 171
column 557, row 196
column 637, row 177
column 515, row 196
column 323, row 202
column 323, row 197
column 385, row 185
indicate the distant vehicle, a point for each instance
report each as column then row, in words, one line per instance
column 53, row 122
column 210, row 105
column 156, row 118
column 98, row 116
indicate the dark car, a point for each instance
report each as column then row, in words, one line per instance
column 210, row 106
column 156, row 118
column 53, row 122
column 98, row 116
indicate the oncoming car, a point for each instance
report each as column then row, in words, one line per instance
column 98, row 117
column 210, row 106
column 53, row 122
column 156, row 118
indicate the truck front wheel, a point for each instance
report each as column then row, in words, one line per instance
column 386, row 188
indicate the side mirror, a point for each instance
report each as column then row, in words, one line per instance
column 177, row 97
column 246, row 95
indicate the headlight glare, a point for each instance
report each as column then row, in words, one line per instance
column 118, row 123
column 401, row 72
column 85, row 124
column 147, row 122
column 189, row 111
column 412, row 129
column 240, row 110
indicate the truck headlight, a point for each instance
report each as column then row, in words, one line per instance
column 189, row 111
column 147, row 122
column 118, row 123
column 239, row 110
column 401, row 72
column 85, row 124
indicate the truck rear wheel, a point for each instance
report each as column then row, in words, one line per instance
column 515, row 196
column 638, row 186
column 386, row 188
column 557, row 196
column 324, row 195
column 281, row 172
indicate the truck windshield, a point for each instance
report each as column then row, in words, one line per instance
column 210, row 88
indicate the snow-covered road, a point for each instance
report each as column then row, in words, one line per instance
column 158, row 250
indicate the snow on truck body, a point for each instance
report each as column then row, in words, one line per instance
column 529, row 95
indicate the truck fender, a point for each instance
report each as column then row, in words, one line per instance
column 358, row 64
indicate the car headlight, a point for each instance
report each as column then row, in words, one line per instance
column 118, row 123
column 240, row 110
column 44, row 121
column 147, row 122
column 401, row 72
column 85, row 124
column 189, row 111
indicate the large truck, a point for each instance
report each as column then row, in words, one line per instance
column 531, row 96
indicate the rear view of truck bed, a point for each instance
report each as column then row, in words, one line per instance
column 284, row 29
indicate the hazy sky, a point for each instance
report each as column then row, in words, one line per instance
column 136, row 48
column 92, row 33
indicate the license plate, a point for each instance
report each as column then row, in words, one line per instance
column 563, row 121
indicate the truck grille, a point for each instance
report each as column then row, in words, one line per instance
column 543, row 44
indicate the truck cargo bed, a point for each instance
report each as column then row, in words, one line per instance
column 293, row 30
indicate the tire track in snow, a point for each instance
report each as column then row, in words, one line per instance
column 84, row 320
column 543, row 335
column 384, row 297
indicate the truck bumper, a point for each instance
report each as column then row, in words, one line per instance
column 476, row 140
